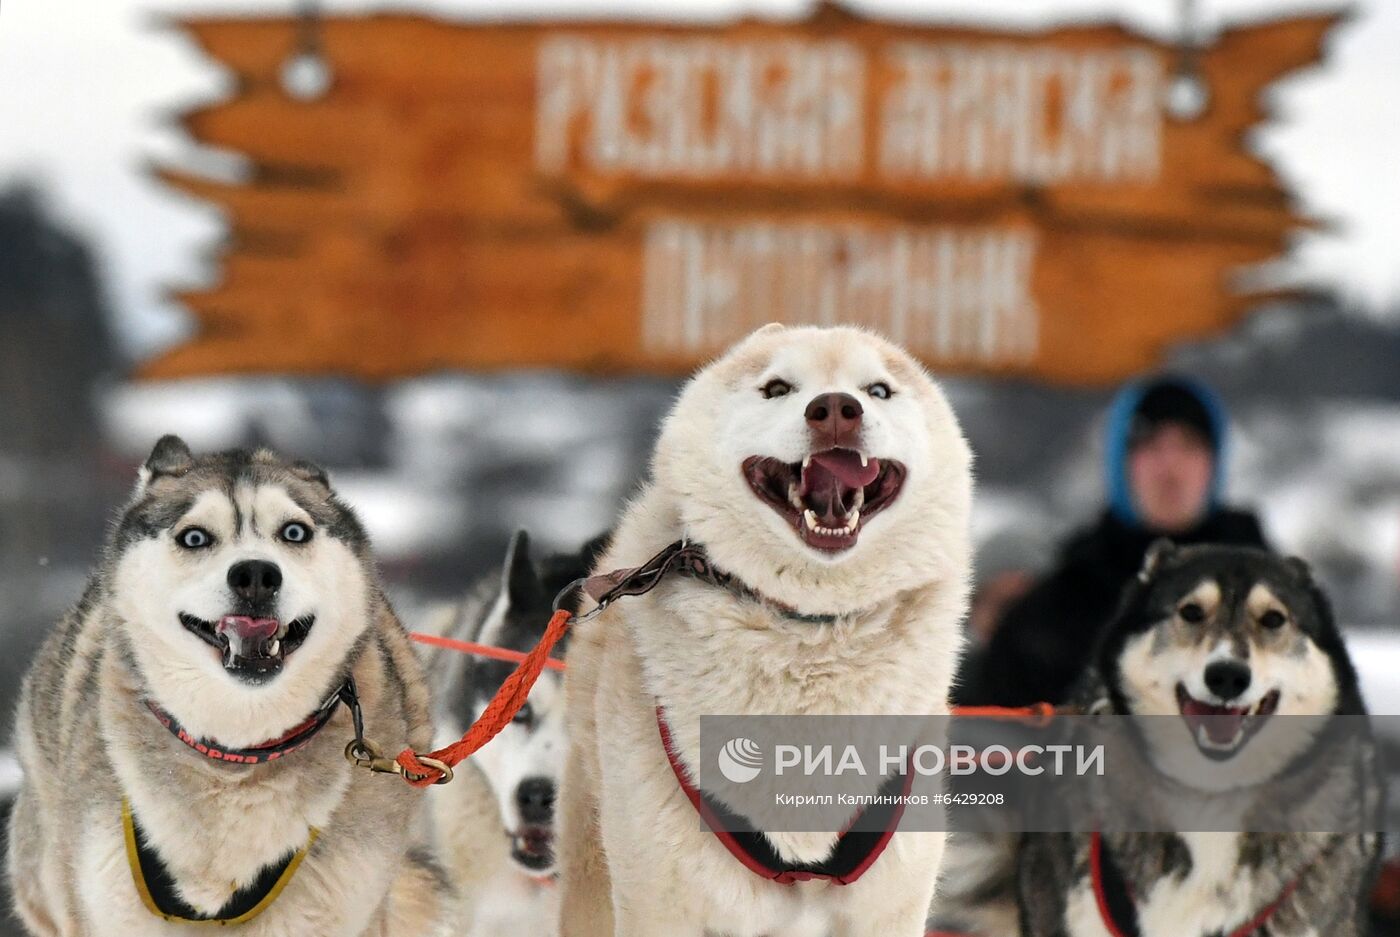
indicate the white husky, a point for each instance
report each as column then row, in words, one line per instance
column 824, row 471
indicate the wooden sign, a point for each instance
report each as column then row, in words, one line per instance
column 634, row 197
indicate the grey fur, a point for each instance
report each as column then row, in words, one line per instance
column 1326, row 877
column 81, row 726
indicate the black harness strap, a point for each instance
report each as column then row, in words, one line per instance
column 855, row 850
column 1118, row 909
column 1115, row 899
column 156, row 885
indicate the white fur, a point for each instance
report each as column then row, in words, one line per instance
column 636, row 861
column 156, row 579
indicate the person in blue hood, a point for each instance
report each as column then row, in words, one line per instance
column 1165, row 459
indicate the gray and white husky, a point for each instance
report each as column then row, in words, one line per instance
column 1218, row 645
column 179, row 731
column 501, row 855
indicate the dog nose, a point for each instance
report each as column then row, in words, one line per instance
column 255, row 581
column 834, row 419
column 1227, row 679
column 535, row 798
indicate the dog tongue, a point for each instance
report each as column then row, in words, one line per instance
column 830, row 476
column 248, row 628
column 843, row 465
column 247, row 636
column 1222, row 722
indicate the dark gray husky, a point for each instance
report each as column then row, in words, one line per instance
column 1217, row 645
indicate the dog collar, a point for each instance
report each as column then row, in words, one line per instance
column 855, row 851
column 160, row 896
column 293, row 740
column 1118, row 909
column 690, row 560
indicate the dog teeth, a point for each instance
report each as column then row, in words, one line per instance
column 795, row 495
column 806, row 461
column 864, row 460
column 273, row 647
column 810, row 517
column 1205, row 741
column 857, row 503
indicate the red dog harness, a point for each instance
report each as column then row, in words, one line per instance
column 1119, row 911
column 855, row 851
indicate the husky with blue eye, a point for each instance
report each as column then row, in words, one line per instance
column 182, row 731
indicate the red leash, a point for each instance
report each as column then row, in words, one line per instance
column 679, row 557
column 480, row 650
column 498, row 714
column 516, row 689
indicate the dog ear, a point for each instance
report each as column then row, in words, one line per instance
column 1300, row 568
column 171, row 456
column 311, row 472
column 769, row 328
column 1158, row 553
column 520, row 580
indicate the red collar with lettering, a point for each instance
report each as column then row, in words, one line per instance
column 853, row 855
column 293, row 740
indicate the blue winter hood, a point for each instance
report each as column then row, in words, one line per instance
column 1119, row 427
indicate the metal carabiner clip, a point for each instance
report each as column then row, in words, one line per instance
column 591, row 614
column 362, row 753
column 564, row 594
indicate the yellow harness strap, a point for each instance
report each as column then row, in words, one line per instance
column 156, row 886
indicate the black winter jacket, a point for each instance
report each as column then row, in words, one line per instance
column 1045, row 639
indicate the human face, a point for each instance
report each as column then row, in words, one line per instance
column 1170, row 473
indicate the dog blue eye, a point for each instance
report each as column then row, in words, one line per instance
column 525, row 716
column 880, row 391
column 776, row 388
column 294, row 532
column 194, row 538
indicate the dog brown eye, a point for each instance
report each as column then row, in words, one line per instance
column 1272, row 619
column 776, row 388
column 880, row 391
column 1191, row 613
column 194, row 538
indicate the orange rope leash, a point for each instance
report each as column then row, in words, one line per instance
column 516, row 689
column 499, row 712
column 1036, row 713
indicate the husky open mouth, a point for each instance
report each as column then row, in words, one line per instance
column 828, row 496
column 1221, row 731
column 253, row 649
column 533, row 847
